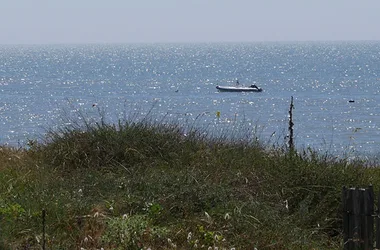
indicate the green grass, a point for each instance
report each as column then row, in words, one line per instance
column 137, row 185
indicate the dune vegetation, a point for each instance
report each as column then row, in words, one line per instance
column 143, row 185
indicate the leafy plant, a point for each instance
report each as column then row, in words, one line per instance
column 132, row 232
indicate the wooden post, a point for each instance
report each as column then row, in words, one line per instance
column 368, row 219
column 291, row 124
column 378, row 224
column 346, row 199
column 347, row 220
column 358, row 212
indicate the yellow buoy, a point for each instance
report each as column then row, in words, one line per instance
column 218, row 114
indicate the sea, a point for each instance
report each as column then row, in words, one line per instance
column 335, row 88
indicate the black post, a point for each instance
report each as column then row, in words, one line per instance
column 368, row 219
column 378, row 224
column 358, row 210
column 291, row 124
column 346, row 217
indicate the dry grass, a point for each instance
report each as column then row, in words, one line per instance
column 141, row 185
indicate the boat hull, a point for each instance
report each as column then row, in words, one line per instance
column 238, row 89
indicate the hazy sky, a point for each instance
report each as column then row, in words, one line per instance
column 151, row 21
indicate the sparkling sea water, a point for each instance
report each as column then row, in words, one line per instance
column 335, row 86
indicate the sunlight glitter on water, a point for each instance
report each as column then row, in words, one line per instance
column 42, row 84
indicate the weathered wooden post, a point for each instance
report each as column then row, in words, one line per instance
column 346, row 200
column 358, row 210
column 291, row 124
column 377, row 238
column 368, row 217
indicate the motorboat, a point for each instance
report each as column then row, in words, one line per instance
column 251, row 88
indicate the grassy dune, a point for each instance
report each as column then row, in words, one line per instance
column 142, row 185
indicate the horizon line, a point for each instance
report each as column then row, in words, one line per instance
column 187, row 42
